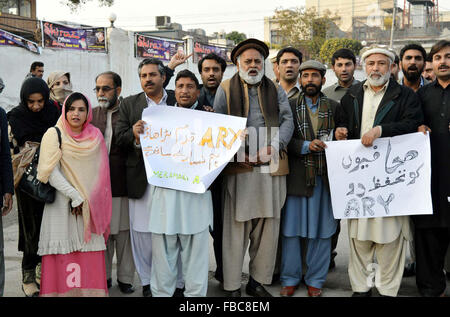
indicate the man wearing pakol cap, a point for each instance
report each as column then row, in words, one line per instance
column 307, row 213
column 254, row 187
column 377, row 107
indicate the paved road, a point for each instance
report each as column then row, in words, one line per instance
column 337, row 284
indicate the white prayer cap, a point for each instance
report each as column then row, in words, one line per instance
column 374, row 49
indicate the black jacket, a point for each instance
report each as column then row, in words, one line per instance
column 399, row 111
column 436, row 108
column 6, row 172
column 130, row 112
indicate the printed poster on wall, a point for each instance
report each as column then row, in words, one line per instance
column 11, row 39
column 390, row 178
column 152, row 47
column 186, row 149
column 201, row 50
column 84, row 39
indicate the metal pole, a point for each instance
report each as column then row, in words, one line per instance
column 393, row 22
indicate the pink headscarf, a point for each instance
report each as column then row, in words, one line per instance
column 84, row 161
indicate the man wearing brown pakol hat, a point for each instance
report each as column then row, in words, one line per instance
column 377, row 107
column 254, row 186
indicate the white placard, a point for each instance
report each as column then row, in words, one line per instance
column 186, row 149
column 390, row 178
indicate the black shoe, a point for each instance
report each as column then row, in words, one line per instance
column 362, row 294
column 146, row 291
column 259, row 291
column 332, row 265
column 218, row 276
column 179, row 292
column 125, row 288
column 410, row 270
column 235, row 293
column 109, row 282
column 275, row 278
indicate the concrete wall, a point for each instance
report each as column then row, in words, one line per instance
column 83, row 67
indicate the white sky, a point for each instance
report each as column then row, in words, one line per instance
column 245, row 16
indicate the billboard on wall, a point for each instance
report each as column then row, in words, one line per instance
column 201, row 50
column 83, row 39
column 163, row 49
column 10, row 39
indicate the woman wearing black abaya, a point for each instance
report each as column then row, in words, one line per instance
column 29, row 121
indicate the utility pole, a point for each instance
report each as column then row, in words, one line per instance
column 353, row 18
column 394, row 11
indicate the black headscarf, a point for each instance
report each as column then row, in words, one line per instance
column 27, row 125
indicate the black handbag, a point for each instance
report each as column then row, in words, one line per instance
column 29, row 183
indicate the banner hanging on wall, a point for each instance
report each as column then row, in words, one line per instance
column 82, row 39
column 201, row 50
column 11, row 39
column 152, row 47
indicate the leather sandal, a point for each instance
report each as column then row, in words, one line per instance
column 288, row 290
column 30, row 289
column 314, row 292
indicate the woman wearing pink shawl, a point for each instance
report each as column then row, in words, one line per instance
column 76, row 225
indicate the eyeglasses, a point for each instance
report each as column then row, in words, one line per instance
column 104, row 88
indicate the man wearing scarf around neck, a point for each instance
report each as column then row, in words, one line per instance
column 253, row 196
column 307, row 213
column 108, row 86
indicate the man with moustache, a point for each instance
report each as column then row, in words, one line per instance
column 343, row 63
column 412, row 63
column 36, row 70
column 307, row 212
column 395, row 66
column 180, row 221
column 253, row 197
column 289, row 60
column 432, row 232
column 287, row 63
column 428, row 72
column 108, row 86
column 211, row 68
column 128, row 129
column 377, row 107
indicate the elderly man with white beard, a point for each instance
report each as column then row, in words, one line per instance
column 377, row 107
column 254, row 192
column 108, row 86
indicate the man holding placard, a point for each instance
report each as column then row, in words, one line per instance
column 377, row 107
column 180, row 222
column 253, row 196
column 432, row 234
column 152, row 75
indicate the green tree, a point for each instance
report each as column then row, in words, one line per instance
column 304, row 28
column 332, row 45
column 236, row 37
